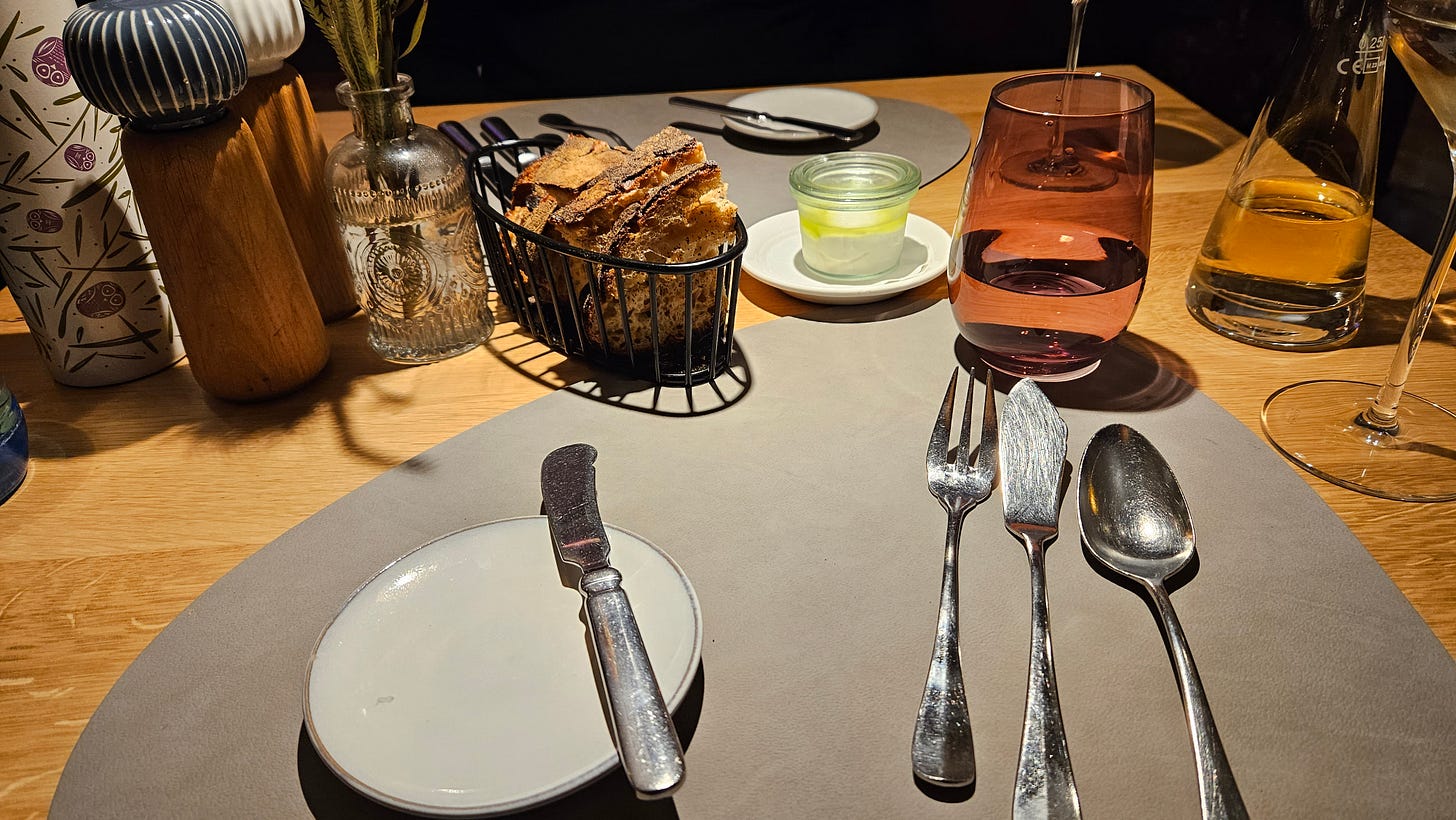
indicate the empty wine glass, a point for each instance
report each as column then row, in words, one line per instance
column 1377, row 439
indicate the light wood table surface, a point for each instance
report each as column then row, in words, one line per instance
column 142, row 495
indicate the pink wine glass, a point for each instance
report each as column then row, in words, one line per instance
column 1051, row 246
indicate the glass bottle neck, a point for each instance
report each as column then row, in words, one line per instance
column 382, row 113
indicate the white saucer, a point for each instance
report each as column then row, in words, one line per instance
column 458, row 681
column 773, row 257
column 834, row 106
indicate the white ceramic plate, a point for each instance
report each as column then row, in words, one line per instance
column 773, row 257
column 834, row 106
column 458, row 681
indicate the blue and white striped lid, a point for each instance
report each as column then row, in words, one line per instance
column 161, row 64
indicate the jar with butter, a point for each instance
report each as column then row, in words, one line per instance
column 852, row 210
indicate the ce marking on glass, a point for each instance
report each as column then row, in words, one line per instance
column 1368, row 60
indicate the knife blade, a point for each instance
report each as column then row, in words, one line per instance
column 1033, row 446
column 836, row 131
column 646, row 740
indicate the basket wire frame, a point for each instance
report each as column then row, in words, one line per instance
column 535, row 278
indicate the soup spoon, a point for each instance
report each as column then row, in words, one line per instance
column 1135, row 522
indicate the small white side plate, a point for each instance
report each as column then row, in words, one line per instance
column 834, row 106
column 774, row 257
column 459, row 682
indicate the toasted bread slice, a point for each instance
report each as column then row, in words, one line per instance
column 586, row 220
column 685, row 219
column 567, row 170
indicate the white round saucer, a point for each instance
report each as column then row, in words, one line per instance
column 833, row 106
column 773, row 257
column 458, row 681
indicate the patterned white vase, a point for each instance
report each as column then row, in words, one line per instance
column 270, row 30
column 73, row 250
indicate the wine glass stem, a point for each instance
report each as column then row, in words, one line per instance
column 1381, row 415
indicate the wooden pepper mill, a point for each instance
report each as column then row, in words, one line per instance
column 238, row 291
column 275, row 104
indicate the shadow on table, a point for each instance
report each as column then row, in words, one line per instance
column 945, row 794
column 62, row 428
column 329, row 798
column 1136, row 375
column 1185, row 136
column 905, row 304
column 569, row 374
column 1385, row 319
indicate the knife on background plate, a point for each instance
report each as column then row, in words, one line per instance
column 646, row 740
column 839, row 132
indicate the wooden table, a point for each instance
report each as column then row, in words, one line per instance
column 141, row 495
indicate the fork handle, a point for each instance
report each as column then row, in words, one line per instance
column 1044, row 784
column 942, row 752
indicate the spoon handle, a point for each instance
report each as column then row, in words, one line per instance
column 1044, row 784
column 941, row 751
column 1217, row 790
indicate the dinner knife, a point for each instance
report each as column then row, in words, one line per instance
column 1033, row 447
column 646, row 740
column 836, row 131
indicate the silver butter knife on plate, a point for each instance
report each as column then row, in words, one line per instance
column 1033, row 447
column 646, row 740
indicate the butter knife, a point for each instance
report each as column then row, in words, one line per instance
column 839, row 132
column 646, row 740
column 1033, row 446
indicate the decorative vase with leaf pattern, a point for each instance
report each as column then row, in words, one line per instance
column 73, row 250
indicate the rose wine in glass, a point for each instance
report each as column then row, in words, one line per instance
column 1378, row 439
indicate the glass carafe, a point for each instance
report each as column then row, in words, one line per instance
column 1283, row 264
column 399, row 194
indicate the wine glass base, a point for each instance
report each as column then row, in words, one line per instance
column 1031, row 372
column 1313, row 424
column 1038, row 170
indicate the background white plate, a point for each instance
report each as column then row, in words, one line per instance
column 834, row 106
column 458, row 681
column 773, row 257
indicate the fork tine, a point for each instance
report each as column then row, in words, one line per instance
column 940, row 435
column 986, row 456
column 963, row 451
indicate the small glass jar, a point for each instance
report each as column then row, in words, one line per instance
column 852, row 210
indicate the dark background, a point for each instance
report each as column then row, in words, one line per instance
column 1225, row 55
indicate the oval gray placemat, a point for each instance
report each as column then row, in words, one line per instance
column 801, row 515
column 757, row 171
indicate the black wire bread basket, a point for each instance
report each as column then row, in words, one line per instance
column 671, row 324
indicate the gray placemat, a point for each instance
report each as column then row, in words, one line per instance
column 800, row 513
column 757, row 171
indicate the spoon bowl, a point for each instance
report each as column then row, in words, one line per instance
column 1134, row 518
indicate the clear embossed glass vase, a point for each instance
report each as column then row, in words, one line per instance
column 398, row 192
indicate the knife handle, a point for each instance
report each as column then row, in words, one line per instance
column 646, row 740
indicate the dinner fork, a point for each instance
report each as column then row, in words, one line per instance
column 942, row 752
